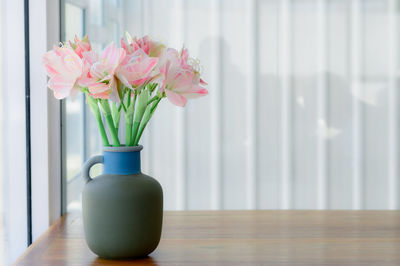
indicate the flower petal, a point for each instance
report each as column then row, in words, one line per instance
column 176, row 98
column 98, row 87
column 195, row 92
column 112, row 57
column 61, row 86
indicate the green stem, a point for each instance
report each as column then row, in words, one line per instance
column 123, row 106
column 122, row 101
column 153, row 109
column 134, row 102
column 129, row 119
column 146, row 120
column 107, row 114
column 113, row 131
column 152, row 100
column 128, row 101
column 121, row 93
column 133, row 115
column 152, row 87
column 116, row 115
column 96, row 111
column 128, row 134
column 102, row 129
column 135, row 130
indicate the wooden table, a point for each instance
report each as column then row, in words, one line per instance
column 242, row 237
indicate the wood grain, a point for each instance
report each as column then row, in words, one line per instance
column 242, row 237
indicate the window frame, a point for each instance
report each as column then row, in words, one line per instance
column 46, row 150
column 82, row 4
column 31, row 124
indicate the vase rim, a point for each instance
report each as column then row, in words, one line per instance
column 123, row 148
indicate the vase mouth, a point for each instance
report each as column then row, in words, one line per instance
column 123, row 148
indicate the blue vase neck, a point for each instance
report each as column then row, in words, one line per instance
column 122, row 160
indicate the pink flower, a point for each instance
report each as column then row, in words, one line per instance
column 170, row 55
column 186, row 64
column 81, row 46
column 150, row 47
column 129, row 48
column 179, row 79
column 100, row 78
column 64, row 67
column 136, row 68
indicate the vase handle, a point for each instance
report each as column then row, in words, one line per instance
column 88, row 164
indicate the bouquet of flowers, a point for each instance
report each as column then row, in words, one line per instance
column 133, row 78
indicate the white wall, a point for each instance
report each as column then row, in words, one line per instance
column 303, row 104
column 302, row 110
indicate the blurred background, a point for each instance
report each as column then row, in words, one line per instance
column 302, row 111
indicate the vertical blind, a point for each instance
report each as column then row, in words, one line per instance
column 302, row 111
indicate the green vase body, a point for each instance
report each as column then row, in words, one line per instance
column 123, row 208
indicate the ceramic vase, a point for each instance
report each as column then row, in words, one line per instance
column 122, row 208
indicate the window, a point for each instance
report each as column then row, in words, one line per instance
column 81, row 138
column 27, row 210
column 75, row 118
column 13, row 192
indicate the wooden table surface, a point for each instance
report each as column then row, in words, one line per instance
column 242, row 237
